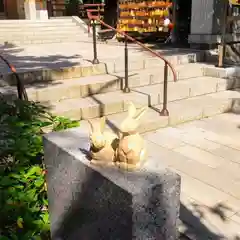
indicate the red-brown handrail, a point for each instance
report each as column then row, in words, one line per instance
column 92, row 17
column 20, row 87
column 164, row 111
column 98, row 10
column 94, row 5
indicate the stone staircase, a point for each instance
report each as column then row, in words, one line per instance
column 24, row 32
column 87, row 92
column 2, row 15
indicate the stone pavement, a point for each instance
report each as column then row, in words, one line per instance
column 206, row 153
column 56, row 55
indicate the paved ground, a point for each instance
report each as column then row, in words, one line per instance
column 206, row 154
column 69, row 54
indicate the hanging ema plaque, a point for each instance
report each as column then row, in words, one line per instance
column 234, row 2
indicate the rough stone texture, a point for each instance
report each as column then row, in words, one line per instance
column 40, row 32
column 87, row 202
column 205, row 153
column 206, row 21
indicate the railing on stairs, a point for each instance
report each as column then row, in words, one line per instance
column 97, row 8
column 94, row 19
column 22, row 94
column 59, row 8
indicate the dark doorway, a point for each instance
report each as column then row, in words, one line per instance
column 183, row 13
column 1, row 6
column 72, row 8
column 111, row 12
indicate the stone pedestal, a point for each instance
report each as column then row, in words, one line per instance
column 30, row 10
column 206, row 21
column 93, row 203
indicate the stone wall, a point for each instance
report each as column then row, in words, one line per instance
column 233, row 49
column 206, row 21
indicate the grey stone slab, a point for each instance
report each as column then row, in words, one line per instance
column 89, row 202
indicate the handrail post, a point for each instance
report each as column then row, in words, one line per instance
column 164, row 111
column 95, row 58
column 126, row 86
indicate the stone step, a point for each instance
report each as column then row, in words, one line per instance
column 69, row 89
column 146, row 81
column 38, row 29
column 49, row 75
column 179, row 112
column 114, row 67
column 25, row 21
column 2, row 15
column 186, row 88
column 155, row 62
column 24, row 37
column 155, row 74
column 96, row 105
column 39, row 32
column 41, row 41
column 114, row 102
column 88, row 86
column 36, row 25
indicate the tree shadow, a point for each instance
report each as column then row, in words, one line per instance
column 195, row 217
column 11, row 65
column 30, row 62
column 33, row 64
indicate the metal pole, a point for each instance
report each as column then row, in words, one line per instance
column 126, row 87
column 95, row 58
column 222, row 46
column 164, row 111
column 173, row 32
column 49, row 8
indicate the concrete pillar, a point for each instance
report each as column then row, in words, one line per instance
column 30, row 9
column 206, row 21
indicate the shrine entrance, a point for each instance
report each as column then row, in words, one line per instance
column 183, row 13
column 111, row 12
column 1, row 6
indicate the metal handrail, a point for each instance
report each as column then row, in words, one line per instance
column 22, row 95
column 94, row 5
column 98, row 10
column 93, row 18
